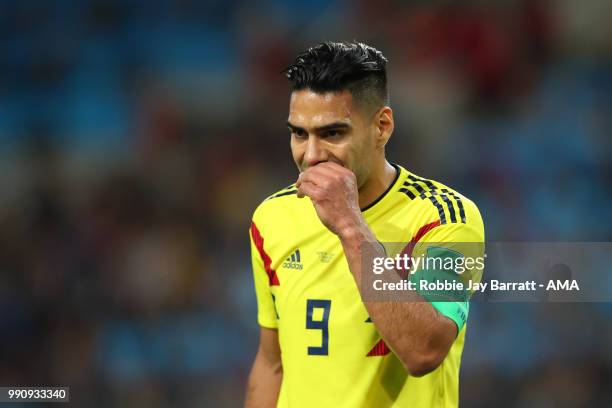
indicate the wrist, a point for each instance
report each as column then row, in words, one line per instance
column 353, row 231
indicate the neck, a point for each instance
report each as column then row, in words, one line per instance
column 379, row 181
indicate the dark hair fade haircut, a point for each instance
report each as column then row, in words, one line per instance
column 338, row 66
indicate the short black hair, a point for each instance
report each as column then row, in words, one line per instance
column 338, row 66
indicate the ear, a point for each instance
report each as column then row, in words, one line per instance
column 383, row 120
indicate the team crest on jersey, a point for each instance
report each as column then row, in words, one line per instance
column 325, row 257
column 294, row 261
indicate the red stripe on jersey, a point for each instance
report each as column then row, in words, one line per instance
column 379, row 349
column 410, row 247
column 424, row 230
column 259, row 243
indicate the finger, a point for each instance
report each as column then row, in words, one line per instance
column 306, row 173
column 318, row 178
column 300, row 179
column 311, row 175
column 301, row 189
column 309, row 189
column 332, row 170
column 345, row 175
column 324, row 170
column 332, row 166
column 324, row 176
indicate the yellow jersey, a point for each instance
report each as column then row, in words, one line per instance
column 332, row 354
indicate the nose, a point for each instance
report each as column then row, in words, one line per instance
column 315, row 152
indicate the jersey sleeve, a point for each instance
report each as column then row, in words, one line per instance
column 266, row 312
column 451, row 253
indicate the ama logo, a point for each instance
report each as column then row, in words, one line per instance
column 294, row 261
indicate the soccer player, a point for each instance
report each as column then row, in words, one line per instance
column 321, row 343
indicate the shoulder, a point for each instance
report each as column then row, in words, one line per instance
column 277, row 205
column 443, row 205
column 285, row 191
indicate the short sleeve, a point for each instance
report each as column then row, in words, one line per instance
column 454, row 255
column 266, row 311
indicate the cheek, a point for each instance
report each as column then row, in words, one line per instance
column 363, row 157
column 344, row 153
column 363, row 150
column 351, row 156
column 296, row 151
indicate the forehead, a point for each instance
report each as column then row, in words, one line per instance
column 312, row 109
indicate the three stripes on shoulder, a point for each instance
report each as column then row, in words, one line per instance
column 415, row 187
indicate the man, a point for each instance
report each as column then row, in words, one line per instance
column 322, row 343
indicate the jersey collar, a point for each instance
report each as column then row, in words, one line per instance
column 398, row 171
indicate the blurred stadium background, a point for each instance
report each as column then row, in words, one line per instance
column 137, row 137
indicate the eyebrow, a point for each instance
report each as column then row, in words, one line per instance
column 331, row 126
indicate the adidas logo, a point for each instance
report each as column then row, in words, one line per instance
column 294, row 261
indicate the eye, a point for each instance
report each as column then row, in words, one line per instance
column 298, row 133
column 332, row 134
